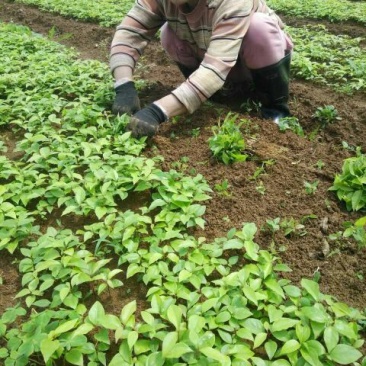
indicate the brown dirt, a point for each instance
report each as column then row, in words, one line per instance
column 344, row 269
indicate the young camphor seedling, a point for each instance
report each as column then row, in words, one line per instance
column 227, row 143
column 326, row 115
column 260, row 188
column 350, row 184
column 311, row 187
column 291, row 123
column 223, row 188
column 196, row 132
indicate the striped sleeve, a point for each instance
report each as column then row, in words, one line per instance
column 230, row 24
column 133, row 34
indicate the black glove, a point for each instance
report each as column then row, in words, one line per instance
column 146, row 121
column 127, row 100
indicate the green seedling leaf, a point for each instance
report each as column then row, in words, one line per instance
column 48, row 348
column 110, row 321
column 216, row 355
column 273, row 285
column 4, row 353
column 315, row 313
column 75, row 357
column 64, row 328
column 96, row 313
column 259, row 339
column 174, row 315
column 132, row 339
column 169, row 342
column 344, row 354
column 312, row 288
column 281, row 362
column 271, row 348
column 331, row 338
column 283, row 324
column 127, row 311
column 289, row 347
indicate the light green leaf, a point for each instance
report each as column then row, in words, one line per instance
column 100, row 211
column 271, row 348
column 259, row 339
column 249, row 230
column 96, row 313
column 132, row 338
column 303, row 332
column 127, row 311
column 4, row 353
column 178, row 350
column 48, row 348
column 312, row 288
column 292, row 291
column 331, row 338
column 274, row 314
column 315, row 313
column 255, row 326
column 64, row 328
column 110, row 321
column 75, row 357
column 174, row 315
column 289, row 347
column 347, row 329
column 216, row 355
column 344, row 354
column 117, row 360
column 283, row 324
column 233, row 244
column 273, row 285
column 250, row 294
column 280, row 362
column 251, row 249
column 169, row 341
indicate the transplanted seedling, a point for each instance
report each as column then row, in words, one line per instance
column 227, row 143
column 326, row 115
column 292, row 124
column 311, row 187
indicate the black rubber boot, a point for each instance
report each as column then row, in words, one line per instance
column 186, row 71
column 272, row 81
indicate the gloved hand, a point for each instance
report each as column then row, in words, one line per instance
column 146, row 121
column 126, row 100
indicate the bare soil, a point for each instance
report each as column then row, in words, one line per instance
column 342, row 266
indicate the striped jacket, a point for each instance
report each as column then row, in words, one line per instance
column 215, row 26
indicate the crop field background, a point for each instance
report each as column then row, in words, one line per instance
column 223, row 240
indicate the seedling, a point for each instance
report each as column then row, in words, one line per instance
column 311, row 187
column 292, row 226
column 262, row 169
column 273, row 225
column 196, row 132
column 292, row 124
column 350, row 185
column 260, row 188
column 227, row 143
column 251, row 106
column 320, row 164
column 351, row 147
column 223, row 188
column 181, row 165
column 326, row 115
column 357, row 231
